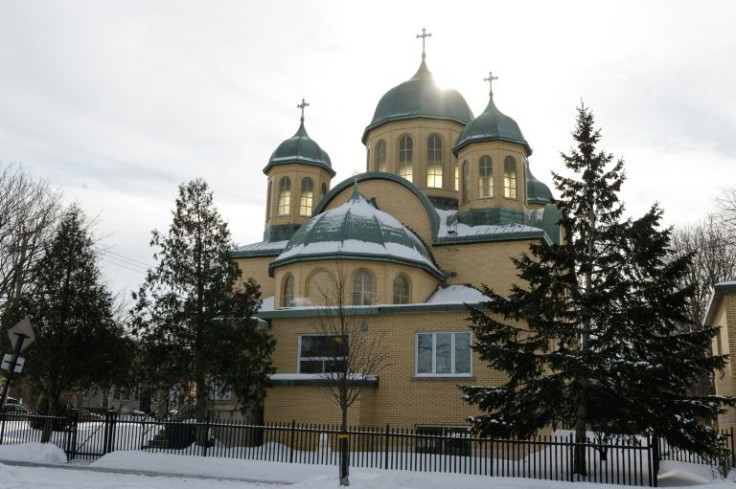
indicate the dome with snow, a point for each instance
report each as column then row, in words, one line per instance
column 357, row 230
column 420, row 97
column 300, row 148
column 491, row 125
column 537, row 192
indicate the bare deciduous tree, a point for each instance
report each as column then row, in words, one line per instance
column 28, row 210
column 714, row 259
column 354, row 356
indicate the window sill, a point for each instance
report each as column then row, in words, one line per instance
column 443, row 377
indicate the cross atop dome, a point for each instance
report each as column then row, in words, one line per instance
column 424, row 35
column 302, row 106
column 490, row 81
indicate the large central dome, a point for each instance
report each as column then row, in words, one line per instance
column 420, row 97
column 356, row 230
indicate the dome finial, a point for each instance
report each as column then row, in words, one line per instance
column 302, row 106
column 490, row 82
column 424, row 35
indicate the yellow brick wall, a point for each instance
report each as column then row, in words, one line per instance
column 257, row 268
column 419, row 130
column 312, row 276
column 482, row 263
column 402, row 399
column 497, row 150
column 726, row 382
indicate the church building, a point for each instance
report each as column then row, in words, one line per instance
column 446, row 200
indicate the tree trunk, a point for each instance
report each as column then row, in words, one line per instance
column 344, row 455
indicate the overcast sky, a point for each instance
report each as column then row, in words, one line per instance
column 116, row 103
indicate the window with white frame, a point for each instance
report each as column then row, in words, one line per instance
column 220, row 393
column 443, row 353
column 319, row 353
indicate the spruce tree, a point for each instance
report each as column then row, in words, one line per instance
column 591, row 336
column 194, row 316
column 78, row 342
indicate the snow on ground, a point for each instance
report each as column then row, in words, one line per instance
column 185, row 472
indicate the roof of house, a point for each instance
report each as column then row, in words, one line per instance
column 715, row 300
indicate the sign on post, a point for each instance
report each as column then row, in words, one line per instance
column 8, row 361
column 22, row 328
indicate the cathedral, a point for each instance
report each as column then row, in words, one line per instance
column 446, row 200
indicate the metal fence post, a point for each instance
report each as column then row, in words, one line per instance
column 291, row 442
column 206, row 433
column 2, row 430
column 385, row 463
column 71, row 445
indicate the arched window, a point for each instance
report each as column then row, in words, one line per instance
column 509, row 177
column 362, row 288
column 287, row 291
column 268, row 199
column 381, row 156
column 406, row 154
column 284, row 196
column 465, row 181
column 306, row 199
column 402, row 291
column 457, row 176
column 485, row 177
column 434, row 161
column 324, row 190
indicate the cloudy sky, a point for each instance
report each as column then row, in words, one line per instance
column 116, row 103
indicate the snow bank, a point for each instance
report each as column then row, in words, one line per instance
column 41, row 453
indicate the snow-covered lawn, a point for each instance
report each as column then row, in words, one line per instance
column 182, row 472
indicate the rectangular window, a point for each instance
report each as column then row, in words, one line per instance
column 443, row 354
column 220, row 393
column 322, row 353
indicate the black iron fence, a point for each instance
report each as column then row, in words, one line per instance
column 625, row 460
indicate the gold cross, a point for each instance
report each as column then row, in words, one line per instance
column 490, row 80
column 424, row 35
column 302, row 106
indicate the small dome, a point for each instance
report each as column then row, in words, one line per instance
column 536, row 191
column 420, row 97
column 491, row 125
column 357, row 230
column 300, row 148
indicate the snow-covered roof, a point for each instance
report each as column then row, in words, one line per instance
column 357, row 230
column 453, row 294
column 450, row 227
column 263, row 248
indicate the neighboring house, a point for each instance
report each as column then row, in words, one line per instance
column 446, row 201
column 722, row 314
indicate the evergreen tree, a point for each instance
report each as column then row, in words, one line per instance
column 194, row 317
column 78, row 343
column 591, row 336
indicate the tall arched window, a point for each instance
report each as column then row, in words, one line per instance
column 434, row 161
column 381, row 156
column 402, row 291
column 406, row 155
column 284, row 196
column 485, row 177
column 268, row 199
column 362, row 288
column 457, row 176
column 509, row 177
column 287, row 291
column 324, row 190
column 465, row 182
column 306, row 198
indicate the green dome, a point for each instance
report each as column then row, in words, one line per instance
column 357, row 230
column 300, row 148
column 536, row 191
column 420, row 97
column 491, row 125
